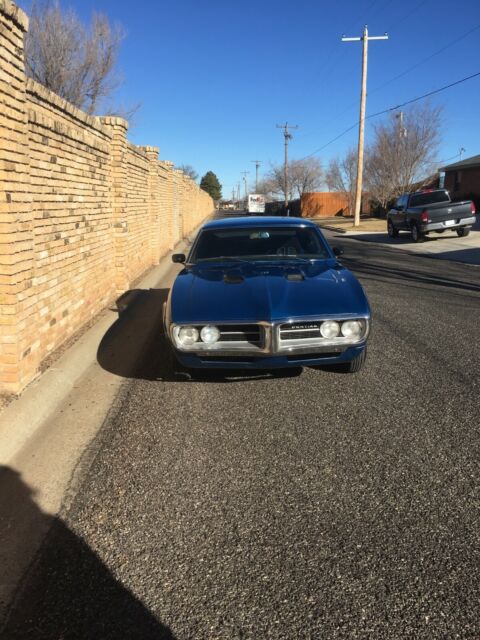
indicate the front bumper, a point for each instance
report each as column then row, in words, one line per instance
column 281, row 343
column 211, row 360
column 441, row 226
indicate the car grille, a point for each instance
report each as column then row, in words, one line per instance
column 247, row 334
column 300, row 331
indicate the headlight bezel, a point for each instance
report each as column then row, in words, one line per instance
column 199, row 343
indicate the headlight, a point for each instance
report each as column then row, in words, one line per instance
column 209, row 334
column 330, row 329
column 352, row 329
column 187, row 336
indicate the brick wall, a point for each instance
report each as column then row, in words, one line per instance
column 83, row 212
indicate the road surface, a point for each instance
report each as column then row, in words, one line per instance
column 303, row 505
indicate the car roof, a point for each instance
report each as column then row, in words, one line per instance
column 258, row 221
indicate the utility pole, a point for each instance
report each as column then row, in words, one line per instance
column 233, row 197
column 244, row 174
column 288, row 136
column 257, row 164
column 402, row 132
column 238, row 195
column 361, row 129
column 461, row 151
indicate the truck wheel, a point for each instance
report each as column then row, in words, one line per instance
column 417, row 235
column 356, row 364
column 392, row 232
column 464, row 231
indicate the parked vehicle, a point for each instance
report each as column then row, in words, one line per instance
column 256, row 203
column 265, row 292
column 430, row 210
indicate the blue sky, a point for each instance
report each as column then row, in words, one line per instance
column 215, row 77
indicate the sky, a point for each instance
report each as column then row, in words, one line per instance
column 215, row 77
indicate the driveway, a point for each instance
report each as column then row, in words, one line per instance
column 445, row 246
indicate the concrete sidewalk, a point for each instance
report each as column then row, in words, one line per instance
column 445, row 246
column 48, row 434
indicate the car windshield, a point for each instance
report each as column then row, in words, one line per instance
column 260, row 243
column 429, row 197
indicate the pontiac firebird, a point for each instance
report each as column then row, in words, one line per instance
column 265, row 293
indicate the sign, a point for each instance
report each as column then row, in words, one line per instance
column 256, row 203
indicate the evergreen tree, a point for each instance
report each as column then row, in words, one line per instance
column 211, row 185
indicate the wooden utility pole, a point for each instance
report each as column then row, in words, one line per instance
column 288, row 136
column 257, row 164
column 361, row 128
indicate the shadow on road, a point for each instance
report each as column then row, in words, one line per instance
column 365, row 269
column 135, row 346
column 68, row 591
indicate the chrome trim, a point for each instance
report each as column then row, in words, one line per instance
column 272, row 343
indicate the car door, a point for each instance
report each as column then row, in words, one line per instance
column 395, row 213
column 401, row 222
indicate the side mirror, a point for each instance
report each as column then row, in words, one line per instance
column 179, row 257
column 400, row 208
column 338, row 251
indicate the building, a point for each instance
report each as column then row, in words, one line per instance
column 462, row 179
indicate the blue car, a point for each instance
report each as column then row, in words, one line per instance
column 265, row 293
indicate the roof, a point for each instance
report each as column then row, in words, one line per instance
column 258, row 221
column 474, row 161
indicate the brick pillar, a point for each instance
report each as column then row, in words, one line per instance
column 154, row 204
column 17, row 365
column 118, row 180
column 170, row 204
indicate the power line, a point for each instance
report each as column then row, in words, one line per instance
column 418, row 64
column 415, row 66
column 403, row 104
column 407, row 15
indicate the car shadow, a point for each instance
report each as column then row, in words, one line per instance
column 68, row 591
column 135, row 346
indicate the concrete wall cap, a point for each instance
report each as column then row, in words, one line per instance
column 114, row 121
column 17, row 15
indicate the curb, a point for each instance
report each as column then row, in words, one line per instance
column 21, row 419
column 337, row 229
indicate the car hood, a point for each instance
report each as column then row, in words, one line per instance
column 263, row 292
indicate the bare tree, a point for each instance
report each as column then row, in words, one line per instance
column 341, row 175
column 402, row 152
column 77, row 63
column 189, row 171
column 305, row 176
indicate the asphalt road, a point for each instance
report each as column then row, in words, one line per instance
column 311, row 505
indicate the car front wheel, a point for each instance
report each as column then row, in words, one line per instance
column 464, row 231
column 392, row 232
column 417, row 235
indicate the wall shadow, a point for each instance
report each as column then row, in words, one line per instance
column 135, row 346
column 68, row 593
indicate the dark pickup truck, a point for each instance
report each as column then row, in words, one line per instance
column 428, row 211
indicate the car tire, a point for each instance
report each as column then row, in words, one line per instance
column 392, row 232
column 356, row 364
column 464, row 231
column 417, row 235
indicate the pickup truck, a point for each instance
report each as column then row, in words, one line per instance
column 430, row 210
